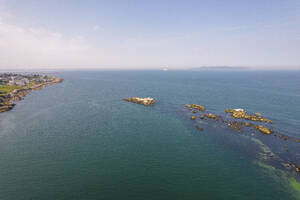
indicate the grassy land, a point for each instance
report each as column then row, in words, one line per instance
column 296, row 186
column 4, row 89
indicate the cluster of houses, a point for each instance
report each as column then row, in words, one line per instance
column 21, row 80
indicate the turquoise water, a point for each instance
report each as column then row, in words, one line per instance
column 79, row 140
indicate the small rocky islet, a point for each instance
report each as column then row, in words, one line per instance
column 147, row 101
column 13, row 87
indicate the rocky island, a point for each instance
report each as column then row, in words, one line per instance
column 144, row 101
column 13, row 87
column 239, row 119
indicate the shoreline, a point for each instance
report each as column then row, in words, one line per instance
column 7, row 100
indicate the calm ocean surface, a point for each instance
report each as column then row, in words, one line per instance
column 79, row 140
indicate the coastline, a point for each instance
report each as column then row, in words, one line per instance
column 7, row 101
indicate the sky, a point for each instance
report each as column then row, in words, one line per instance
column 144, row 34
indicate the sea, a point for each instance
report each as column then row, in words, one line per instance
column 80, row 140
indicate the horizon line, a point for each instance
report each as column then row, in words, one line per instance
column 163, row 68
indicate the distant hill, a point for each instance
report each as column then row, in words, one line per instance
column 220, row 68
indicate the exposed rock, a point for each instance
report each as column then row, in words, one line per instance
column 198, row 107
column 248, row 124
column 227, row 110
column 258, row 114
column 144, row 101
column 263, row 129
column 242, row 114
column 6, row 107
column 212, row 116
column 193, row 117
column 202, row 117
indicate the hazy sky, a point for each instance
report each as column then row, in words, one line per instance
column 149, row 33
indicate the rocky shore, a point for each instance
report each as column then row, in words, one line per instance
column 13, row 87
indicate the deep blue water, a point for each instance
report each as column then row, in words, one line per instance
column 79, row 140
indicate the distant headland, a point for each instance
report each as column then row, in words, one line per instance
column 14, row 86
column 219, row 68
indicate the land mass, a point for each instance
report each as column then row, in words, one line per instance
column 13, row 87
column 219, row 68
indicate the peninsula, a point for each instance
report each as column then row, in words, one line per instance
column 13, row 87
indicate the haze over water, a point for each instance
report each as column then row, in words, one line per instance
column 79, row 140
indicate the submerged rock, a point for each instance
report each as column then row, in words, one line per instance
column 144, row 101
column 287, row 165
column 236, row 125
column 199, row 128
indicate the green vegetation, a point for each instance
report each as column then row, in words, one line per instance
column 296, row 186
column 4, row 89
column 291, row 184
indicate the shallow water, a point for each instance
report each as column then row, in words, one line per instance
column 78, row 140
